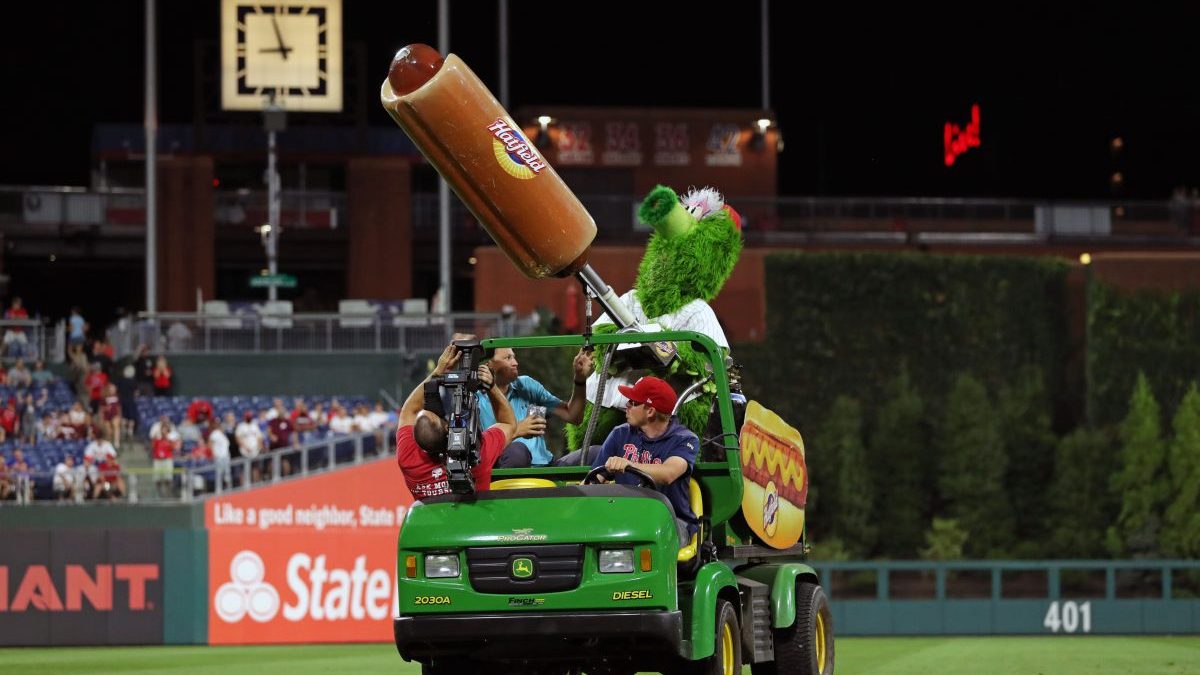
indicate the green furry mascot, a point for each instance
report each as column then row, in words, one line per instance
column 696, row 243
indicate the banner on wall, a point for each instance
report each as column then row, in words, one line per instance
column 311, row 560
column 81, row 587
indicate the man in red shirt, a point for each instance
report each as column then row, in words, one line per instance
column 14, row 337
column 95, row 382
column 10, row 420
column 422, row 433
column 200, row 411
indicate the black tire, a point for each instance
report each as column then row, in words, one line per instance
column 727, row 647
column 806, row 646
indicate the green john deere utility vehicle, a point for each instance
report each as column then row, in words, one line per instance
column 545, row 573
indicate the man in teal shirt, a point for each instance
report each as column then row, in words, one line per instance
column 529, row 447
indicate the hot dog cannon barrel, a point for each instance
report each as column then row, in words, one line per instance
column 501, row 177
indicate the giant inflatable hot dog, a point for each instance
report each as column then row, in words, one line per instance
column 501, row 177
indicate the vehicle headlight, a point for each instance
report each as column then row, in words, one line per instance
column 441, row 565
column 615, row 561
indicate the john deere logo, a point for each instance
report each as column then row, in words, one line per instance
column 522, row 568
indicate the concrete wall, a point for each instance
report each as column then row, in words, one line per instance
column 297, row 374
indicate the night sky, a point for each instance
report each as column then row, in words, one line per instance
column 861, row 93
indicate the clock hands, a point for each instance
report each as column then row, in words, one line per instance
column 282, row 49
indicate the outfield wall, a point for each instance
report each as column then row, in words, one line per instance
column 313, row 560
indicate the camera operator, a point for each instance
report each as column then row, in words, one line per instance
column 421, row 439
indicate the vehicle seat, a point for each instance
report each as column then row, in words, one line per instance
column 696, row 499
column 522, row 483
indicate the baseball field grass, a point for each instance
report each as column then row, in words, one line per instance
column 855, row 656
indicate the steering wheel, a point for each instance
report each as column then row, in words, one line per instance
column 643, row 477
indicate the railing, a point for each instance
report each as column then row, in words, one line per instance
column 765, row 220
column 199, row 333
column 308, row 458
column 25, row 339
column 1013, row 597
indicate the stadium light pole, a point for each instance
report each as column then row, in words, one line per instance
column 443, row 186
column 150, row 122
column 766, row 56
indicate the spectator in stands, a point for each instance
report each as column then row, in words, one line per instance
column 229, row 424
column 110, row 414
column 95, row 382
column 22, row 477
column 19, row 376
column 126, row 383
column 250, row 442
column 190, row 431
column 6, row 484
column 162, row 376
column 281, row 434
column 64, row 479
column 302, row 419
column 165, row 444
column 10, row 418
column 89, row 474
column 421, row 437
column 40, row 375
column 100, row 449
column 102, row 353
column 200, row 411
column 277, row 409
column 47, row 428
column 218, row 444
column 144, row 364
column 29, row 420
column 339, row 421
column 77, row 422
column 319, row 416
column 77, row 332
column 522, row 391
column 112, row 484
column 3, row 375
column 15, row 342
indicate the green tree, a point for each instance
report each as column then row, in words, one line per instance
column 1181, row 531
column 898, row 450
column 973, row 466
column 1141, row 482
column 1080, row 504
column 1029, row 443
column 945, row 540
column 853, row 494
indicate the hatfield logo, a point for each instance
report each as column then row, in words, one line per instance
column 515, row 155
column 247, row 593
column 37, row 591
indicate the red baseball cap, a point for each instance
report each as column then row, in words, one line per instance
column 653, row 392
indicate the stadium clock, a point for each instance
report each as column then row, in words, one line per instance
column 290, row 49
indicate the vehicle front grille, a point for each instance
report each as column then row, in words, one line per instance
column 555, row 567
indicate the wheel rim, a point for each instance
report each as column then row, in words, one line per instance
column 820, row 639
column 727, row 650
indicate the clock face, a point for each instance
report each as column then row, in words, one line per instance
column 292, row 50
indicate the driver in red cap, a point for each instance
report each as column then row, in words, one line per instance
column 654, row 441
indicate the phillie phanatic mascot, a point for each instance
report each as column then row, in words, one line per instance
column 696, row 242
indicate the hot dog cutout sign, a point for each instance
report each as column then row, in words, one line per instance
column 774, row 476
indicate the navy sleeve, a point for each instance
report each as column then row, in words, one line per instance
column 685, row 447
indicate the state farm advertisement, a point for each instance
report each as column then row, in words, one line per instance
column 310, row 560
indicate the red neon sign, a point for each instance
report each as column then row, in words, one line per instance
column 956, row 141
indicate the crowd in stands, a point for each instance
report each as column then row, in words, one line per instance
column 60, row 438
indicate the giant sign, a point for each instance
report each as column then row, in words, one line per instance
column 81, row 587
column 311, row 560
column 774, row 477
